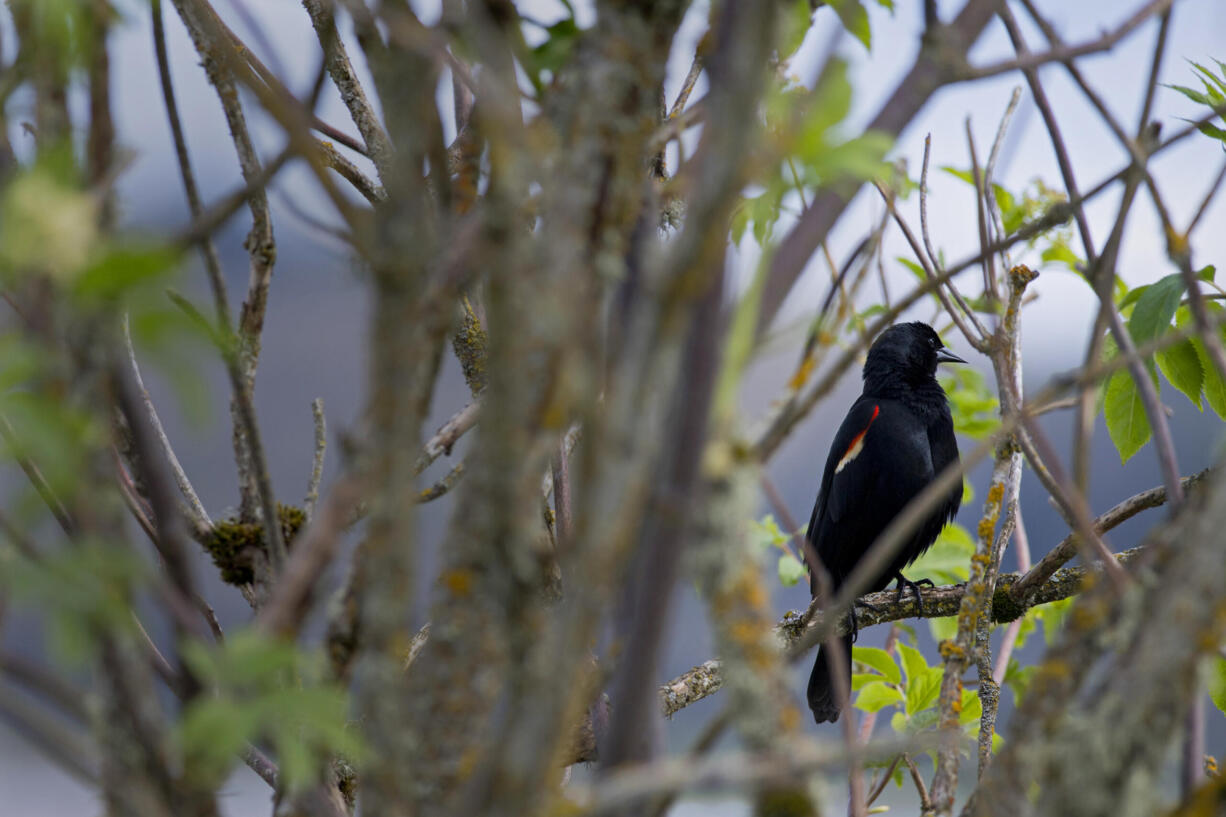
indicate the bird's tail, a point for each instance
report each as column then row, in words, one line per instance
column 823, row 698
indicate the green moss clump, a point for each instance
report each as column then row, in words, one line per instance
column 233, row 544
column 470, row 348
column 1004, row 608
column 784, row 803
column 346, row 781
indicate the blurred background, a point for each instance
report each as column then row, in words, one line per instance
column 315, row 337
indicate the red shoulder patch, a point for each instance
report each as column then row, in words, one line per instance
column 857, row 443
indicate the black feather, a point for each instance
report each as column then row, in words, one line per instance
column 894, row 441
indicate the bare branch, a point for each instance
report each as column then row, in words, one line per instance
column 799, row 628
column 317, row 463
column 199, row 515
column 1036, row 576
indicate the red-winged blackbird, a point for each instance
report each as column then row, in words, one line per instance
column 895, row 440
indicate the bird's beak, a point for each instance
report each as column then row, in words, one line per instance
column 946, row 356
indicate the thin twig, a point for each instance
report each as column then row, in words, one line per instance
column 1036, row 576
column 444, row 485
column 687, row 87
column 934, row 264
column 925, row 804
column 208, row 251
column 371, row 191
column 287, row 606
column 317, row 462
column 66, row 748
column 378, row 146
column 32, row 472
column 1103, row 268
column 1021, row 547
column 1027, row 61
column 973, row 337
column 195, row 506
column 447, row 435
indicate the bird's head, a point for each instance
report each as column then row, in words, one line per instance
column 905, row 353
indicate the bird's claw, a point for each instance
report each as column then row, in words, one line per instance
column 855, row 622
column 905, row 584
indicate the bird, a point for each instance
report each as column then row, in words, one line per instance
column 897, row 437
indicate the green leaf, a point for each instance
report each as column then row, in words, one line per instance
column 1212, row 131
column 859, row 680
column 923, row 691
column 913, row 662
column 1131, row 296
column 122, row 269
column 1053, row 615
column 1217, row 682
column 1127, row 423
column 1194, row 95
column 766, row 533
column 1206, row 273
column 1018, row 678
column 1059, row 252
column 875, row 697
column 1182, row 367
column 1214, row 86
column 879, row 660
column 855, row 20
column 1156, row 308
column 791, row 571
column 972, row 707
column 965, row 175
column 212, row 732
column 796, row 24
column 948, row 560
column 943, row 628
column 974, row 406
column 1214, row 387
column 555, row 51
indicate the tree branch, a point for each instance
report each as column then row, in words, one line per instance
column 797, row 627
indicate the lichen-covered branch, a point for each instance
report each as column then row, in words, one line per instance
column 939, row 602
column 1110, row 698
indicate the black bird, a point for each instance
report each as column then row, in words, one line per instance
column 895, row 440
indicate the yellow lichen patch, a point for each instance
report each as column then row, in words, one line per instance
column 1082, row 617
column 1022, row 274
column 996, row 493
column 749, row 589
column 790, row 720
column 468, row 762
column 802, row 373
column 458, row 581
column 1052, row 670
column 717, row 460
column 987, row 526
column 949, row 649
column 1176, row 241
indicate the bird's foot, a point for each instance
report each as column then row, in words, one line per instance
column 905, row 584
column 855, row 620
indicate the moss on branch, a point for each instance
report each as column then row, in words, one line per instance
column 234, row 545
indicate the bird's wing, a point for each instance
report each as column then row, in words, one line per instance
column 879, row 460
